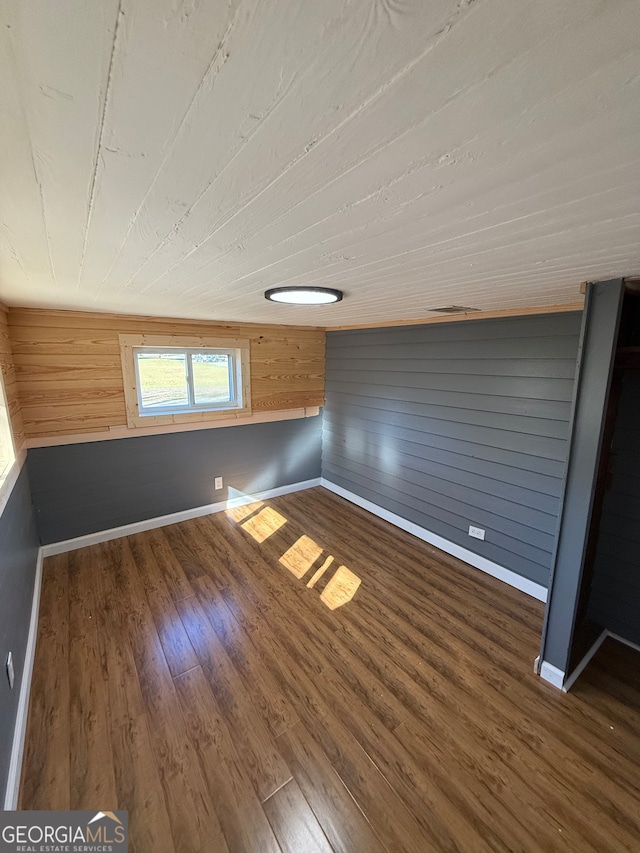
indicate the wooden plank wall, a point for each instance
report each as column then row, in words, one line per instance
column 70, row 377
column 10, row 382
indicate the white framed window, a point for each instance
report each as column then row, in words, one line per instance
column 175, row 379
column 7, row 449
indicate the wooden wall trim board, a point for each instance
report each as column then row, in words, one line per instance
column 125, row 432
column 19, row 732
column 70, row 376
column 462, row 317
column 531, row 588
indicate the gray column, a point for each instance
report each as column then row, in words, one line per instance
column 595, row 367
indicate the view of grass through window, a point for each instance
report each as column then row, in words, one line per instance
column 7, row 454
column 164, row 383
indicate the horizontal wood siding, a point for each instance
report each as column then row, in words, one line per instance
column 615, row 589
column 9, row 378
column 70, row 375
column 454, row 425
column 82, row 488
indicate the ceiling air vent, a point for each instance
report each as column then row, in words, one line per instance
column 454, row 309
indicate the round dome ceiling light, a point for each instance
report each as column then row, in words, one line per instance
column 303, row 295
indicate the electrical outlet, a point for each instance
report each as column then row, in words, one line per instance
column 218, row 482
column 476, row 532
column 10, row 673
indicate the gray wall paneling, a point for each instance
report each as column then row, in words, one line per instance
column 615, row 589
column 18, row 557
column 599, row 334
column 457, row 424
column 83, row 488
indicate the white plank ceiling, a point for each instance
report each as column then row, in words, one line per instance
column 178, row 157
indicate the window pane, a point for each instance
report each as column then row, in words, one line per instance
column 163, row 380
column 6, row 447
column 7, row 454
column 211, row 378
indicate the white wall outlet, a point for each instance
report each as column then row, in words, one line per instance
column 10, row 673
column 218, row 482
column 476, row 532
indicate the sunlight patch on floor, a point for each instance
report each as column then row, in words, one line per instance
column 340, row 589
column 301, row 556
column 264, row 524
column 319, row 572
column 239, row 513
column 261, row 521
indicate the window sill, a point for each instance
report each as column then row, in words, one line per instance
column 9, row 479
column 122, row 431
column 135, row 421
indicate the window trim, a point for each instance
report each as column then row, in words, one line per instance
column 7, row 429
column 130, row 344
column 12, row 469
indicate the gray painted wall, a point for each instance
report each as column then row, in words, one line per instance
column 457, row 424
column 82, row 488
column 18, row 556
column 615, row 589
column 603, row 306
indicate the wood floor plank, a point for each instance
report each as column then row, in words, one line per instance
column 175, row 643
column 359, row 774
column 275, row 711
column 124, row 698
column 486, row 686
column 245, row 825
column 139, row 789
column 186, row 550
column 46, row 763
column 432, row 808
column 274, row 587
column 294, row 824
column 168, row 566
column 253, row 741
column 92, row 771
column 513, row 725
column 192, row 818
column 407, row 719
column 389, row 551
column 614, row 829
column 362, row 779
column 345, row 826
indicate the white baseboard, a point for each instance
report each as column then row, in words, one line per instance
column 556, row 676
column 173, row 518
column 536, row 590
column 551, row 673
column 622, row 640
column 17, row 749
column 570, row 681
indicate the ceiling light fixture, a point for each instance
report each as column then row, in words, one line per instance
column 303, row 295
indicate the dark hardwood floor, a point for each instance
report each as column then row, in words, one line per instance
column 210, row 678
